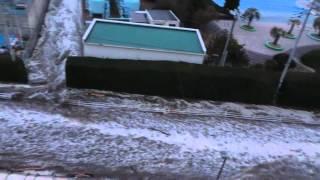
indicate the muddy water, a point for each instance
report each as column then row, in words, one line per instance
column 127, row 140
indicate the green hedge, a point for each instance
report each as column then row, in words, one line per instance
column 12, row 71
column 184, row 80
column 301, row 90
column 312, row 59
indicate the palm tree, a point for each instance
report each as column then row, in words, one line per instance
column 293, row 23
column 276, row 33
column 250, row 14
column 316, row 25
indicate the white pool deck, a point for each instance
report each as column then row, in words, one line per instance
column 254, row 41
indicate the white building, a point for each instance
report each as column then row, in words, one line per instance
column 127, row 40
column 156, row 17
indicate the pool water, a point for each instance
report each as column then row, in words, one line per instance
column 271, row 10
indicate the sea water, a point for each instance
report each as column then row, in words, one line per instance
column 279, row 11
column 272, row 10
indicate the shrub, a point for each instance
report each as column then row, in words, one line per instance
column 231, row 4
column 302, row 90
column 192, row 13
column 12, row 71
column 278, row 62
column 257, row 66
column 185, row 80
column 237, row 56
column 312, row 59
column 171, row 79
column 282, row 60
column 271, row 65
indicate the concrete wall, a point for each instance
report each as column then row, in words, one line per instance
column 165, row 23
column 99, row 51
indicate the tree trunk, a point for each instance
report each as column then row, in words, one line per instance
column 291, row 29
column 249, row 22
column 114, row 8
column 276, row 40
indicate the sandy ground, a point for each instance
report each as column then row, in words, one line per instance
column 254, row 41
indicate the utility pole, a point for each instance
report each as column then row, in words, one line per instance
column 6, row 34
column 106, row 9
column 225, row 49
column 315, row 4
column 17, row 25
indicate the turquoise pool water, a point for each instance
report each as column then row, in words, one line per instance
column 271, row 10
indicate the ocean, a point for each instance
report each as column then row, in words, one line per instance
column 271, row 10
column 279, row 11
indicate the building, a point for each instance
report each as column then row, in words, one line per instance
column 156, row 17
column 127, row 40
column 97, row 8
column 102, row 8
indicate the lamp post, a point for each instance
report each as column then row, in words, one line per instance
column 314, row 5
column 225, row 49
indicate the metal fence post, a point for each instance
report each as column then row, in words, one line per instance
column 221, row 168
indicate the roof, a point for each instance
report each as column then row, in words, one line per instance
column 166, row 15
column 144, row 36
column 139, row 17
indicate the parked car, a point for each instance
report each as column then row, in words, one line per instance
column 21, row 5
column 3, row 50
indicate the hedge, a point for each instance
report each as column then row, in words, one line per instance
column 12, row 71
column 301, row 90
column 182, row 80
column 312, row 59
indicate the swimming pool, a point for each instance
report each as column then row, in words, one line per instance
column 271, row 10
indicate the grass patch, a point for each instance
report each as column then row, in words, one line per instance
column 248, row 28
column 314, row 36
column 272, row 46
column 289, row 36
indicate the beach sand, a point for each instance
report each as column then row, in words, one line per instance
column 254, row 41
